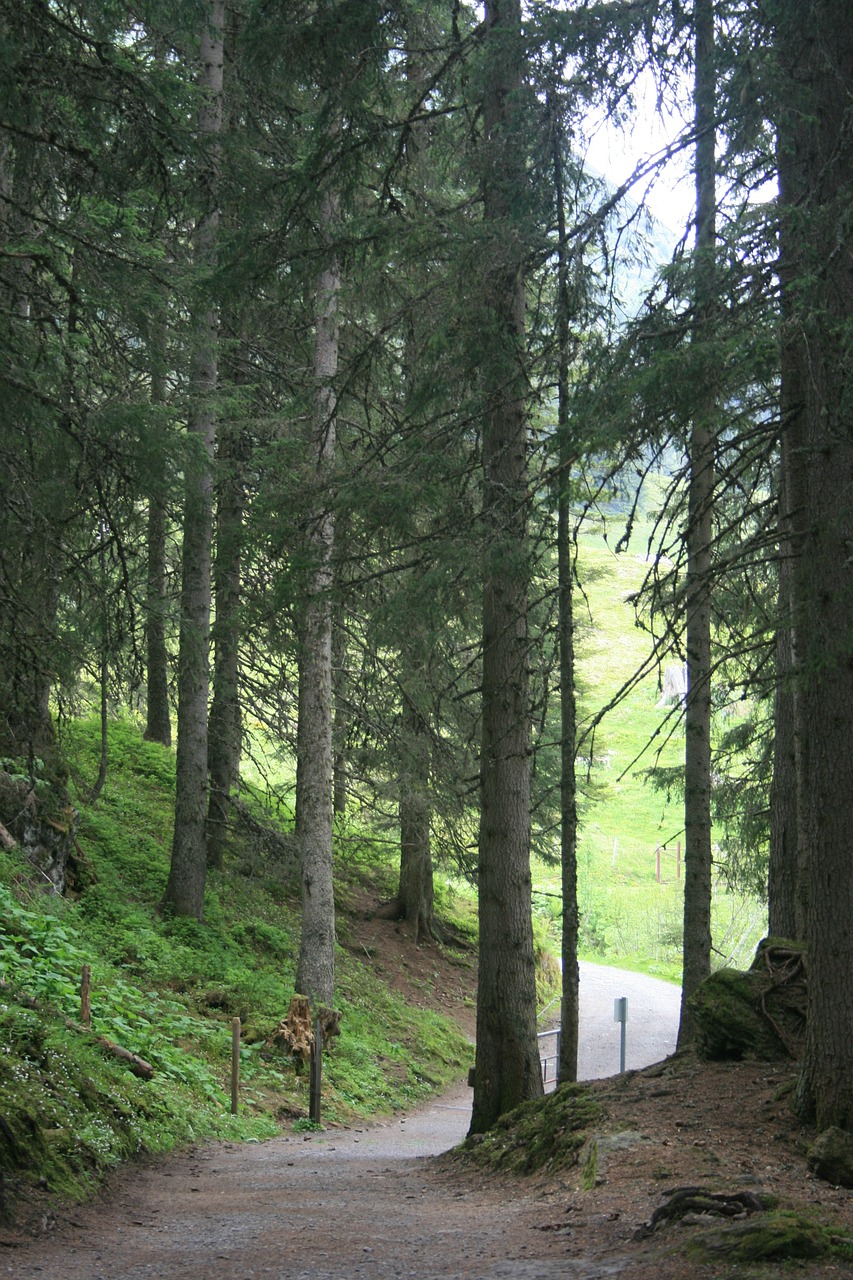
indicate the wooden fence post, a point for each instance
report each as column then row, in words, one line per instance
column 86, row 995
column 235, row 1065
column 316, row 1083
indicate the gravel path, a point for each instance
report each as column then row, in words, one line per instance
column 346, row 1203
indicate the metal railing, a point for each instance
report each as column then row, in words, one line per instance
column 550, row 1061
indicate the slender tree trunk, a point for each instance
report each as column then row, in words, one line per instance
column 340, row 715
column 788, row 880
column 697, row 715
column 226, row 728
column 158, row 721
column 570, row 1002
column 315, row 976
column 507, row 1067
column 815, row 50
column 415, row 896
column 785, row 883
column 158, row 725
column 104, row 675
column 185, row 887
column 29, row 586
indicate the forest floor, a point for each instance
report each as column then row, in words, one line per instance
column 375, row 1203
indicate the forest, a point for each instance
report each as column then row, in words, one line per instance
column 324, row 346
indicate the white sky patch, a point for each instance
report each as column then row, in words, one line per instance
column 615, row 150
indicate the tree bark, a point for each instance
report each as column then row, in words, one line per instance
column 184, row 893
column 507, row 1069
column 697, row 715
column 815, row 50
column 416, row 895
column 340, row 715
column 570, row 1000
column 315, row 976
column 788, row 878
column 158, row 722
column 158, row 725
column 226, row 724
column 786, row 887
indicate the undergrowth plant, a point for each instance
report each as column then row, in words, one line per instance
column 167, row 990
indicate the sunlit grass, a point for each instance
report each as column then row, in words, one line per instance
column 630, row 829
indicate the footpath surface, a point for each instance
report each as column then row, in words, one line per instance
column 348, row 1203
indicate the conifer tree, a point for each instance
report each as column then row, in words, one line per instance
column 697, row 715
column 507, row 1067
column 184, row 894
column 814, row 47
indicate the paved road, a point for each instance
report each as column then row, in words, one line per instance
column 653, row 1010
column 652, row 1027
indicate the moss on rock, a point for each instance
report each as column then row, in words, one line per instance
column 547, row 1132
column 771, row 1237
column 830, row 1157
column 755, row 1014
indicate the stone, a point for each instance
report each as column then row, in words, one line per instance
column 830, row 1157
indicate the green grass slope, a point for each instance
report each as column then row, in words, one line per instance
column 167, row 990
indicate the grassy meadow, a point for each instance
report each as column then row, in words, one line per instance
column 627, row 917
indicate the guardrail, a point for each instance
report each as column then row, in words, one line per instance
column 550, row 1061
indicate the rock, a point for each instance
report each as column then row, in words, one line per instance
column 594, row 1154
column 756, row 1014
column 830, row 1157
column 759, row 1239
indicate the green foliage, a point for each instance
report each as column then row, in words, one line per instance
column 166, row 990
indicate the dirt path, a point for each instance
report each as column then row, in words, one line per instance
column 346, row 1203
column 329, row 1206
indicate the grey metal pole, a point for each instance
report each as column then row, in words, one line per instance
column 620, row 1015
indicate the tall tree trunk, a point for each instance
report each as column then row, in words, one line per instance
column 185, row 887
column 340, row 714
column 29, row 586
column 815, row 49
column 789, row 837
column 225, row 740
column 697, row 715
column 158, row 724
column 315, row 975
column 786, row 881
column 415, row 896
column 570, row 1001
column 507, row 1069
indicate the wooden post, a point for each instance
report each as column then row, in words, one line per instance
column 316, row 1084
column 657, row 864
column 678, row 862
column 85, row 995
column 235, row 1065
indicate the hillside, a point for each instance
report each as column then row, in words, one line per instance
column 167, row 990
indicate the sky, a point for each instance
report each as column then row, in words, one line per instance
column 616, row 150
